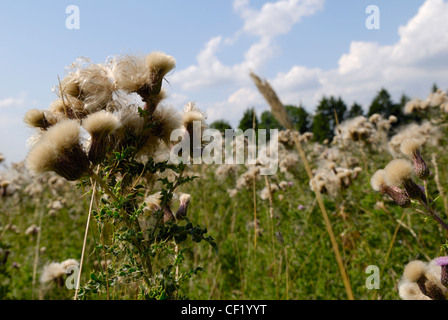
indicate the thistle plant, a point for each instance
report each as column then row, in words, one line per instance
column 397, row 180
column 424, row 281
column 420, row 280
column 109, row 132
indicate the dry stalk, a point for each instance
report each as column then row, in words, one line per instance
column 280, row 114
column 254, row 191
column 85, row 241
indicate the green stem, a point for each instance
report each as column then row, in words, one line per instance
column 145, row 259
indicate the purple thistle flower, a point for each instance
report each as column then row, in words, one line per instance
column 301, row 207
column 442, row 261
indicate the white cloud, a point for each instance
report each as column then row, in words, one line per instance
column 275, row 18
column 209, row 73
column 12, row 102
column 409, row 66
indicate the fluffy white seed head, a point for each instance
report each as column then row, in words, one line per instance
column 168, row 119
column 69, row 85
column 95, row 86
column 41, row 158
column 59, row 138
column 410, row 291
column 185, row 198
column 67, row 108
column 414, row 270
column 63, row 135
column 153, row 201
column 52, row 271
column 69, row 262
column 378, row 179
column 160, row 63
column 130, row 72
column 101, row 122
column 34, row 118
column 411, row 146
column 397, row 171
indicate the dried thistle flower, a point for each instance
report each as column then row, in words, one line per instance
column 68, row 108
column 53, row 272
column 378, row 183
column 414, row 271
column 100, row 125
column 410, row 291
column 194, row 123
column 32, row 230
column 69, row 262
column 166, row 119
column 411, row 148
column 399, row 172
column 153, row 201
column 59, row 150
column 39, row 119
column 90, row 84
column 158, row 64
column 420, row 272
column 143, row 74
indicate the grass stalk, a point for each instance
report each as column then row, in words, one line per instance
column 254, row 193
column 78, row 280
column 36, row 255
column 279, row 112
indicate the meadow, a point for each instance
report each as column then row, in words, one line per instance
column 164, row 231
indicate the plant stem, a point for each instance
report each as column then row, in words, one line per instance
column 433, row 214
column 36, row 257
column 328, row 226
column 78, row 280
column 145, row 259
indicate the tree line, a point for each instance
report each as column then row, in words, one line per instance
column 329, row 112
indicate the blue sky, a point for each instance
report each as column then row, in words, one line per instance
column 305, row 48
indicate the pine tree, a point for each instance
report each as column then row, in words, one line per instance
column 355, row 111
column 220, row 125
column 383, row 104
column 299, row 117
column 247, row 121
column 268, row 122
column 324, row 121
